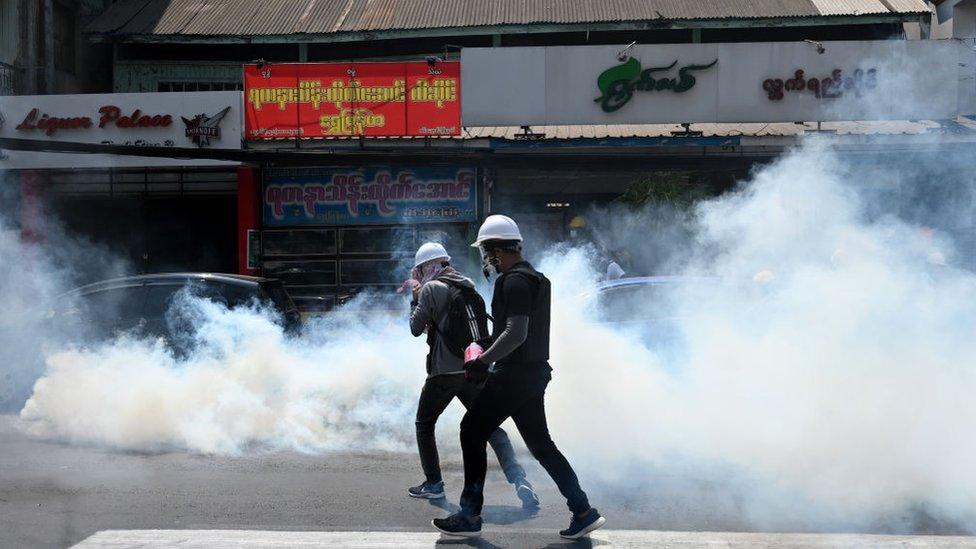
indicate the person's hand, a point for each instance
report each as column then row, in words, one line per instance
column 475, row 370
column 416, row 293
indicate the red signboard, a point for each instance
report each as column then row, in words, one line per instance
column 316, row 100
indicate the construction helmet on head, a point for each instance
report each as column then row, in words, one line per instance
column 428, row 252
column 497, row 227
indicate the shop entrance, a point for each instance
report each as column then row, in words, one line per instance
column 152, row 220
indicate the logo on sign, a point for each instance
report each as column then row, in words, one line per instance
column 618, row 84
column 201, row 127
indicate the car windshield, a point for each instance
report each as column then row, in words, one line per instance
column 638, row 301
column 276, row 292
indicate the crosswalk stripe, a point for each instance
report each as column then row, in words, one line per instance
column 220, row 539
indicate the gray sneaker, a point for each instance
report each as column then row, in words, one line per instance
column 525, row 492
column 427, row 490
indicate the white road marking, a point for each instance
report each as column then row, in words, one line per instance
column 220, row 539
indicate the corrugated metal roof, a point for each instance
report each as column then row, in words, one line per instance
column 241, row 17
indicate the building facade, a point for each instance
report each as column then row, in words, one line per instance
column 547, row 172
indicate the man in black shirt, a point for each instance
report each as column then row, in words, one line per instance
column 516, row 386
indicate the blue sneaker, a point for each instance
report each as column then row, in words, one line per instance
column 427, row 490
column 459, row 524
column 525, row 492
column 580, row 526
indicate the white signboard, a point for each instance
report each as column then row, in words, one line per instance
column 183, row 120
column 740, row 82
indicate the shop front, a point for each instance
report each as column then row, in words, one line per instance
column 598, row 125
column 333, row 232
column 154, row 214
column 331, row 229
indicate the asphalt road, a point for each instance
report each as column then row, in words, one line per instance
column 56, row 495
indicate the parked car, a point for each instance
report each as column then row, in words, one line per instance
column 646, row 307
column 137, row 304
column 140, row 303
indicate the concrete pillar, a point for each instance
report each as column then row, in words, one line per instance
column 33, row 185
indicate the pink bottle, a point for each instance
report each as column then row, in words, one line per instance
column 473, row 351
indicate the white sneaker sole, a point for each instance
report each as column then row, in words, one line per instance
column 426, row 496
column 457, row 534
column 596, row 524
column 528, row 497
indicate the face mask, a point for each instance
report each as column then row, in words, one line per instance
column 489, row 263
column 425, row 273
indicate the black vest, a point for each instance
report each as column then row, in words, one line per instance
column 536, row 345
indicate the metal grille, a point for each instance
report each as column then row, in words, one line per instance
column 146, row 181
column 198, row 86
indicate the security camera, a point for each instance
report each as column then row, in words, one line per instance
column 432, row 60
column 622, row 55
column 820, row 47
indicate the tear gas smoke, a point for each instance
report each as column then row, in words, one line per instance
column 32, row 276
column 837, row 385
column 841, row 381
column 845, row 380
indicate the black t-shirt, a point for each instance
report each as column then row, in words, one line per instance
column 518, row 296
column 523, row 291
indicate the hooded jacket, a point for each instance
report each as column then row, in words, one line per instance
column 432, row 306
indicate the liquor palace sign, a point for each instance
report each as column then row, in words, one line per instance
column 179, row 120
column 321, row 100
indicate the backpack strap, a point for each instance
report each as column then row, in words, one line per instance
column 454, row 290
column 473, row 330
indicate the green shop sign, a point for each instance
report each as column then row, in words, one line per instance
column 618, row 84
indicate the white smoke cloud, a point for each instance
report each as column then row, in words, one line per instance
column 844, row 383
column 348, row 383
column 33, row 275
column 840, row 384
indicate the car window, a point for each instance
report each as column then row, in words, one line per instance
column 159, row 297
column 630, row 296
column 120, row 307
column 231, row 295
column 276, row 292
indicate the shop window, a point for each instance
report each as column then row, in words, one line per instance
column 302, row 273
column 373, row 272
column 299, row 242
column 453, row 237
column 378, row 240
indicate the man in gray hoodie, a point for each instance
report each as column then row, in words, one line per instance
column 429, row 312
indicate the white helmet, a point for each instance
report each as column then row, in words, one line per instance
column 428, row 252
column 497, row 227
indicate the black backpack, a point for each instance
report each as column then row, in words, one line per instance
column 467, row 318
